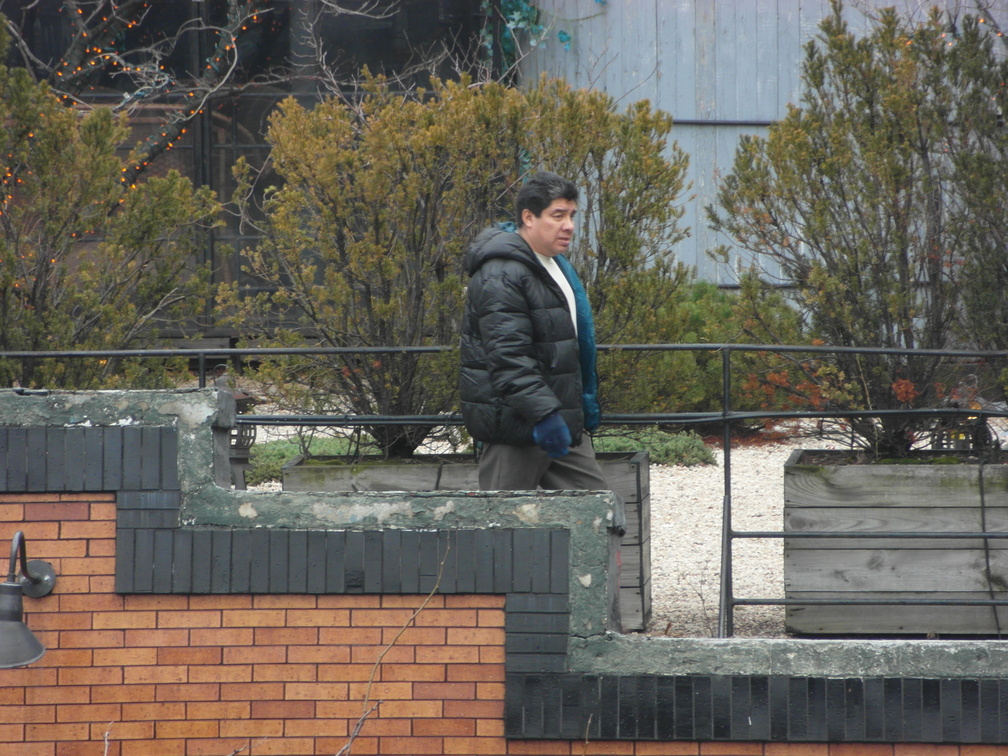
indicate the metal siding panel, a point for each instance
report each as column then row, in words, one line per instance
column 706, row 60
column 725, row 73
column 637, row 29
column 765, row 105
column 676, row 59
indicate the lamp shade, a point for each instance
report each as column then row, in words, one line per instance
column 18, row 646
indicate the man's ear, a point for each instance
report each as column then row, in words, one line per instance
column 527, row 216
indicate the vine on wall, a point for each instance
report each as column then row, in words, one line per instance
column 518, row 19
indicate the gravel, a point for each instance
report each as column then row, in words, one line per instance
column 686, row 518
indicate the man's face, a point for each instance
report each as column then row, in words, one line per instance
column 550, row 233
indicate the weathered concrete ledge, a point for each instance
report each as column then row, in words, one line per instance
column 203, row 418
column 648, row 655
column 590, row 519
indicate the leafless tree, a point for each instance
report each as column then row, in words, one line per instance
column 105, row 47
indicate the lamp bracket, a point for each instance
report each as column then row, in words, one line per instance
column 39, row 581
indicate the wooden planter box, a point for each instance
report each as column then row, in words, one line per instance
column 954, row 496
column 628, row 473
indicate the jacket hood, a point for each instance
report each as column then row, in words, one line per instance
column 496, row 243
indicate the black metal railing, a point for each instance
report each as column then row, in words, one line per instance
column 727, row 418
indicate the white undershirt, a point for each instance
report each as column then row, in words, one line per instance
column 554, row 270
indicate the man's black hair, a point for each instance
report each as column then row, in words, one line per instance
column 540, row 191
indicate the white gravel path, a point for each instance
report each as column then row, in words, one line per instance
column 686, row 517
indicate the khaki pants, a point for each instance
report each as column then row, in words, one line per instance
column 503, row 467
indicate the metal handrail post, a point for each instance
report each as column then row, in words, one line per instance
column 726, row 608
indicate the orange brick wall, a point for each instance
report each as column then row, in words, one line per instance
column 218, row 675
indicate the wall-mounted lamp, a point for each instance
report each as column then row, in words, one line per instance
column 18, row 646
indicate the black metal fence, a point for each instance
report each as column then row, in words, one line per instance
column 205, row 359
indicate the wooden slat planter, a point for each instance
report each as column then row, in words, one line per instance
column 628, row 474
column 959, row 496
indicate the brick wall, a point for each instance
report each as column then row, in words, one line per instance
column 214, row 675
column 193, row 630
column 192, row 675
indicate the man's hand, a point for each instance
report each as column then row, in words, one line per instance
column 552, row 435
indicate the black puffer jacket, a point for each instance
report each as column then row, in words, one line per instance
column 519, row 350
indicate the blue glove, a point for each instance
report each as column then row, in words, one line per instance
column 552, row 435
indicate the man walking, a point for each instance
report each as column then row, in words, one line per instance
column 528, row 381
